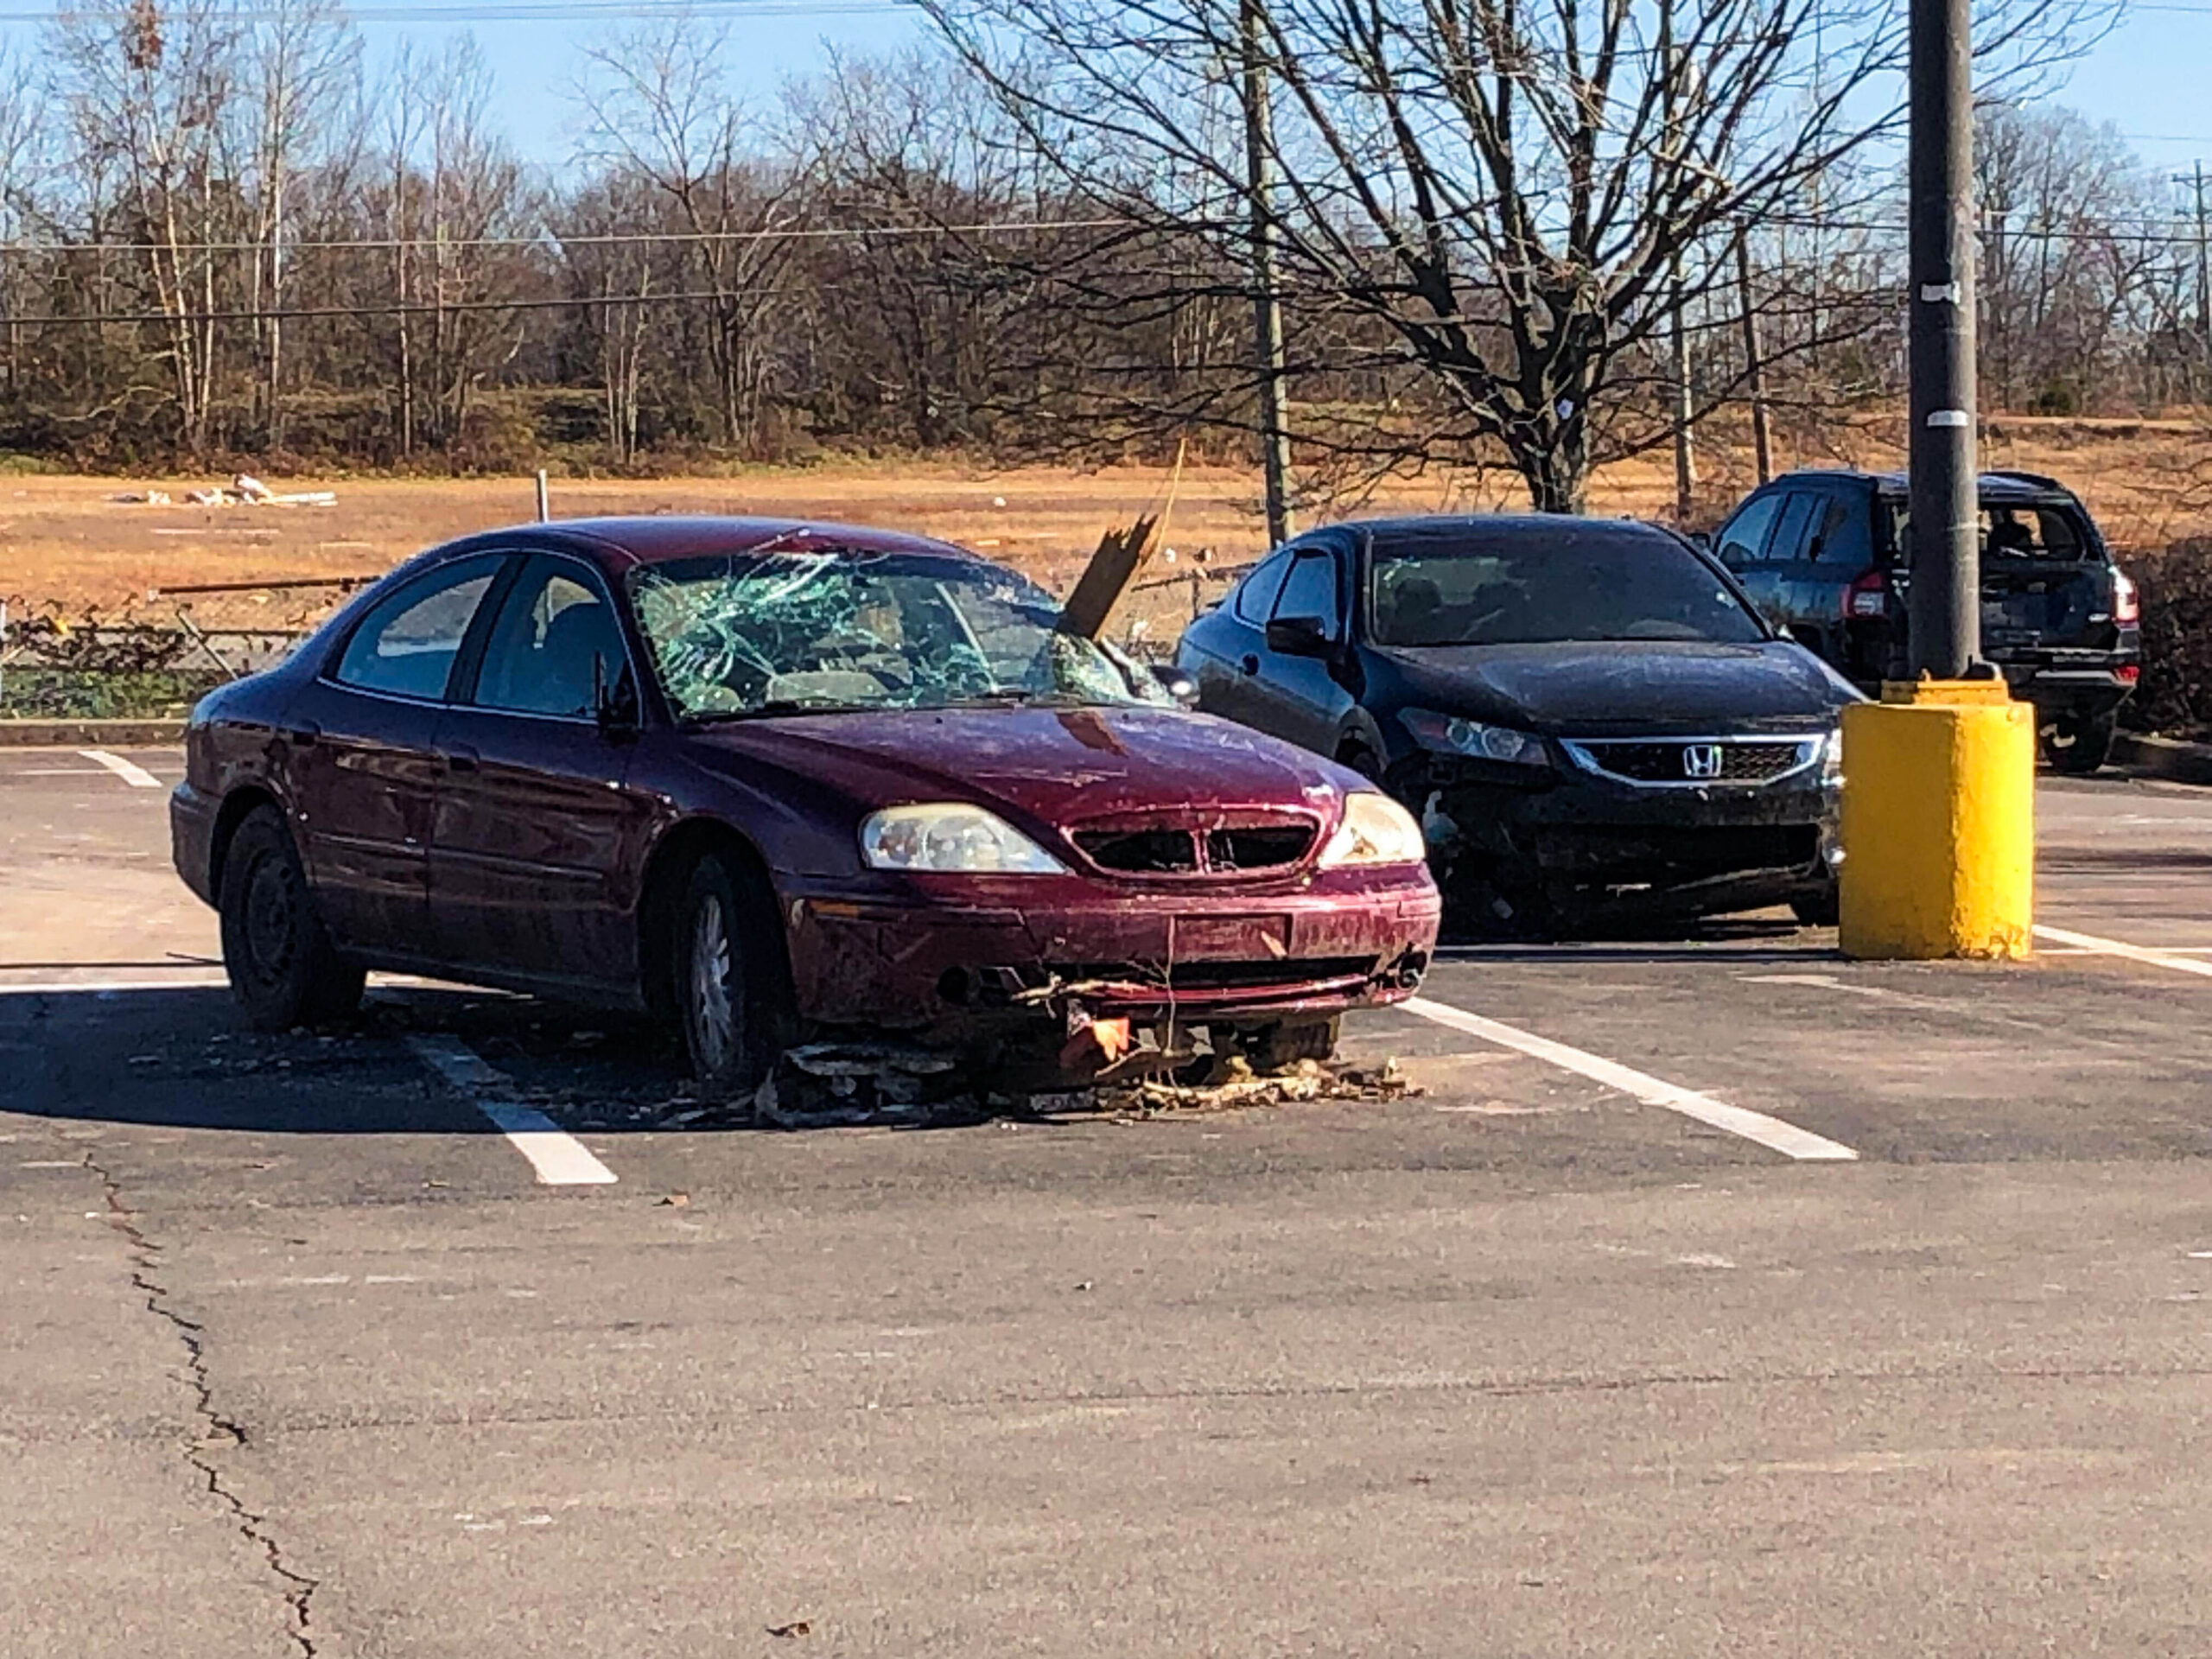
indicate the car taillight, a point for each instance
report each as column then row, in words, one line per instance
column 2129, row 675
column 1868, row 595
column 2126, row 602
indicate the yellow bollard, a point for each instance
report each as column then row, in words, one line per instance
column 1939, row 835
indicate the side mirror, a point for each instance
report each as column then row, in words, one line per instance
column 1300, row 636
column 1177, row 684
column 614, row 706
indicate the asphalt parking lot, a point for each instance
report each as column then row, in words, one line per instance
column 1715, row 1297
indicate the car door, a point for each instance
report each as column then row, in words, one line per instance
column 358, row 757
column 1298, row 697
column 538, row 837
column 1226, row 645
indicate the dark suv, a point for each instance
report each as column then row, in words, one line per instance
column 1823, row 553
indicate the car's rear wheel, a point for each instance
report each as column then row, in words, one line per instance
column 2078, row 744
column 725, row 979
column 283, row 968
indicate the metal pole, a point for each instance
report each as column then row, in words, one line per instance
column 544, row 504
column 1944, row 626
column 1266, row 312
column 2203, row 276
column 1755, row 367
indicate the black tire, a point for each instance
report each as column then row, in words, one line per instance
column 2078, row 744
column 1283, row 1044
column 724, row 980
column 283, row 968
column 1822, row 909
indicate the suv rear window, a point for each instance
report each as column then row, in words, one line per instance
column 2046, row 532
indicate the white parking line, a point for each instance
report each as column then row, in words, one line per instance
column 2143, row 953
column 558, row 1157
column 190, row 979
column 1770, row 1132
column 132, row 773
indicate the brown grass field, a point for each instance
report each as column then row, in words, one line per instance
column 69, row 541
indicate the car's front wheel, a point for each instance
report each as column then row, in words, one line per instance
column 1823, row 908
column 283, row 968
column 720, row 964
column 2078, row 744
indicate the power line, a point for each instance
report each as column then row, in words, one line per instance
column 480, row 11
column 553, row 241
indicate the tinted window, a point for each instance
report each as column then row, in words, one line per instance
column 1744, row 540
column 1310, row 590
column 1530, row 584
column 406, row 644
column 2051, row 532
column 1786, row 545
column 1256, row 598
column 556, row 630
column 1834, row 532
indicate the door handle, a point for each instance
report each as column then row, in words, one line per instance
column 305, row 735
column 1250, row 664
column 461, row 757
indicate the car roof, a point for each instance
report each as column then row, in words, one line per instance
column 2000, row 488
column 621, row 543
column 1504, row 526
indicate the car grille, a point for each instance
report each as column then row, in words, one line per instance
column 1218, row 850
column 1681, row 760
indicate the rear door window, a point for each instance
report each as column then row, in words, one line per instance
column 406, row 645
column 1794, row 531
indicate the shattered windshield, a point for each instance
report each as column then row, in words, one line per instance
column 795, row 632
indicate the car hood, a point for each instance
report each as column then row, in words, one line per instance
column 1624, row 687
column 1052, row 765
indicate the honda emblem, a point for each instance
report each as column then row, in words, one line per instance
column 1702, row 760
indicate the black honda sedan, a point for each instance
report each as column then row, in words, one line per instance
column 1592, row 724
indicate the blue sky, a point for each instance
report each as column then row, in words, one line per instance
column 2150, row 79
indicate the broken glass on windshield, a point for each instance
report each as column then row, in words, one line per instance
column 788, row 633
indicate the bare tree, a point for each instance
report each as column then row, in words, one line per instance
column 1495, row 191
column 657, row 105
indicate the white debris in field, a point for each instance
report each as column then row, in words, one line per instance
column 1236, row 1084
column 243, row 491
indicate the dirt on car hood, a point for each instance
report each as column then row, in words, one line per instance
column 1057, row 765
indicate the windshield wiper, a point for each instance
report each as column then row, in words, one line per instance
column 775, row 707
column 1014, row 696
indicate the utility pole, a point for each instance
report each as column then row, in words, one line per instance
column 2203, row 276
column 1754, row 366
column 1685, row 406
column 1267, row 310
column 1944, row 625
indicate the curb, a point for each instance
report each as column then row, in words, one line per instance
column 2165, row 757
column 90, row 733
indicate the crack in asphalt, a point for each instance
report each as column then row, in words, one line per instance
column 216, row 1430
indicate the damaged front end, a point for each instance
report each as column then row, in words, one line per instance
column 1058, row 972
column 1575, row 834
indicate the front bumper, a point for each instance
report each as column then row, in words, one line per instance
column 951, row 955
column 1576, row 835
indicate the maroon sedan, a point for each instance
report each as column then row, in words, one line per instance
column 765, row 778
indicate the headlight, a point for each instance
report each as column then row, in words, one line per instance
column 1449, row 735
column 1832, row 758
column 1375, row 830
column 952, row 837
